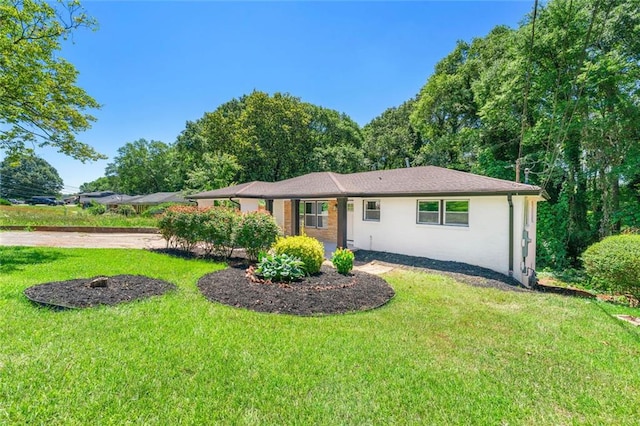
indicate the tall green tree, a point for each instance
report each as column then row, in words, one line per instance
column 40, row 102
column 272, row 137
column 143, row 167
column 26, row 176
column 214, row 171
column 390, row 139
column 104, row 183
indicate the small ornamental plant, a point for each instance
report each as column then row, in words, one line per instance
column 280, row 267
column 308, row 249
column 342, row 260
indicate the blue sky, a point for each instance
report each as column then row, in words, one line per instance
column 153, row 65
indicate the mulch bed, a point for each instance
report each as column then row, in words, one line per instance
column 79, row 294
column 463, row 272
column 326, row 293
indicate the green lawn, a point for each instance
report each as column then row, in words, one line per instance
column 25, row 215
column 439, row 353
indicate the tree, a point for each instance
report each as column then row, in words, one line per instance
column 28, row 176
column 40, row 103
column 272, row 137
column 390, row 139
column 215, row 171
column 143, row 167
column 104, row 183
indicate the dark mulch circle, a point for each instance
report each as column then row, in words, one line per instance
column 79, row 294
column 326, row 293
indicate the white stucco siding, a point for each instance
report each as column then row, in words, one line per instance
column 205, row 202
column 485, row 242
column 248, row 204
column 278, row 212
column 524, row 262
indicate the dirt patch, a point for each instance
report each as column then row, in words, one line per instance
column 88, row 292
column 326, row 293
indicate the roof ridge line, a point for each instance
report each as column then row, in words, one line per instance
column 246, row 187
column 337, row 182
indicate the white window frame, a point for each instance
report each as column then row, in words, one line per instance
column 366, row 210
column 444, row 213
column 438, row 220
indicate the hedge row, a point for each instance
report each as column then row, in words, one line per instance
column 218, row 230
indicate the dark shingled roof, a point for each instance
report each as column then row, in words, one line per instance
column 413, row 181
column 159, row 198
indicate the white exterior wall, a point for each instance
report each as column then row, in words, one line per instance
column 205, row 202
column 485, row 242
column 248, row 204
column 525, row 209
column 278, row 212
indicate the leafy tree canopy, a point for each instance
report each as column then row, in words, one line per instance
column 143, row 167
column 272, row 137
column 28, row 176
column 104, row 183
column 40, row 103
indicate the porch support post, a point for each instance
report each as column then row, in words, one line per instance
column 342, row 222
column 295, row 217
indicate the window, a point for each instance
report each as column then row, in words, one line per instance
column 456, row 213
column 372, row 210
column 314, row 214
column 429, row 212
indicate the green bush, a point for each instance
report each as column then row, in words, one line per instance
column 180, row 226
column 96, row 208
column 280, row 267
column 157, row 210
column 342, row 260
column 308, row 249
column 4, row 202
column 126, row 210
column 218, row 229
column 614, row 264
column 256, row 231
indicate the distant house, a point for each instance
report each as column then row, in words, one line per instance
column 422, row 211
column 143, row 202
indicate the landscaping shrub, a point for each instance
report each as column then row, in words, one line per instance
column 126, row 210
column 180, row 226
column 157, row 210
column 96, row 208
column 218, row 229
column 342, row 260
column 256, row 231
column 4, row 202
column 280, row 267
column 308, row 249
column 614, row 264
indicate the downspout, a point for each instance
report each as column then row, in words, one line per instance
column 510, row 201
column 236, row 203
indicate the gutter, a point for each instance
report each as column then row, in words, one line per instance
column 510, row 201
